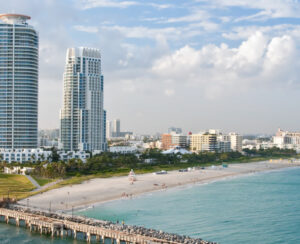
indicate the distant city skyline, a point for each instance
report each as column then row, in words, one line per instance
column 195, row 64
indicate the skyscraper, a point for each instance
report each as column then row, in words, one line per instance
column 116, row 128
column 82, row 116
column 18, row 82
column 108, row 129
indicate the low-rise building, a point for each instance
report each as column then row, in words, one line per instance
column 286, row 139
column 65, row 156
column 24, row 155
column 18, row 170
column 123, row 150
column 35, row 155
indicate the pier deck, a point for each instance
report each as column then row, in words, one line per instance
column 65, row 227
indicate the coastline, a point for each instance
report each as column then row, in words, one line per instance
column 100, row 190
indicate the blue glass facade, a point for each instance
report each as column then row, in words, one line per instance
column 18, row 85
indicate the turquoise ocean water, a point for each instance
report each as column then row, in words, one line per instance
column 259, row 208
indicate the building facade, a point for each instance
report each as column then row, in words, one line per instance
column 108, row 129
column 173, row 140
column 116, row 128
column 204, row 142
column 24, row 155
column 287, row 140
column 35, row 155
column 82, row 118
column 166, row 141
column 18, row 83
column 236, row 142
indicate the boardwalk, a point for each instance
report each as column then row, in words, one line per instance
column 61, row 226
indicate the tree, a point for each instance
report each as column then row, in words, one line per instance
column 54, row 155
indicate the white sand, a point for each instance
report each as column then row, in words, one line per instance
column 105, row 189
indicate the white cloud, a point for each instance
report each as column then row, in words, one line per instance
column 160, row 6
column 197, row 15
column 88, row 29
column 144, row 32
column 88, row 4
column 268, row 8
column 218, row 70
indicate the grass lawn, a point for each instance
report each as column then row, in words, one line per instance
column 42, row 181
column 17, row 185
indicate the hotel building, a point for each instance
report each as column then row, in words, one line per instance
column 18, row 83
column 236, row 142
column 204, row 142
column 82, row 118
column 173, row 140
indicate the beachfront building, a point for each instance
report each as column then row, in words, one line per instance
column 287, row 140
column 224, row 143
column 123, row 149
column 35, row 155
column 223, row 146
column 67, row 155
column 173, row 140
column 215, row 141
column 177, row 150
column 18, row 83
column 204, row 142
column 18, row 170
column 236, row 142
column 24, row 155
column 82, row 118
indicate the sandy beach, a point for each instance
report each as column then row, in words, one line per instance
column 106, row 189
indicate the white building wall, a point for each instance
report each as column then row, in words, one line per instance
column 236, row 141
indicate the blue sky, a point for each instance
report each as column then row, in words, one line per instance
column 195, row 64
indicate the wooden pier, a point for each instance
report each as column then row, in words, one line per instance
column 59, row 227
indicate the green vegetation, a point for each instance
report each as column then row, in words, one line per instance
column 111, row 164
column 15, row 185
column 42, row 181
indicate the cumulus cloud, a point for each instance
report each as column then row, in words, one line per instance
column 220, row 70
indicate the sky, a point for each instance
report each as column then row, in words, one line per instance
column 196, row 64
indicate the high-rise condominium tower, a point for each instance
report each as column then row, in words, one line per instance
column 116, row 128
column 18, row 82
column 82, row 118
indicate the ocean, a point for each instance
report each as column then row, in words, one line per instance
column 259, row 208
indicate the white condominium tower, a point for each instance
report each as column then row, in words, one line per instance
column 18, row 82
column 82, row 118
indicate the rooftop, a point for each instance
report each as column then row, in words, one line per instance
column 14, row 18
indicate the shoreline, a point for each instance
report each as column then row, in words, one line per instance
column 102, row 190
column 179, row 187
